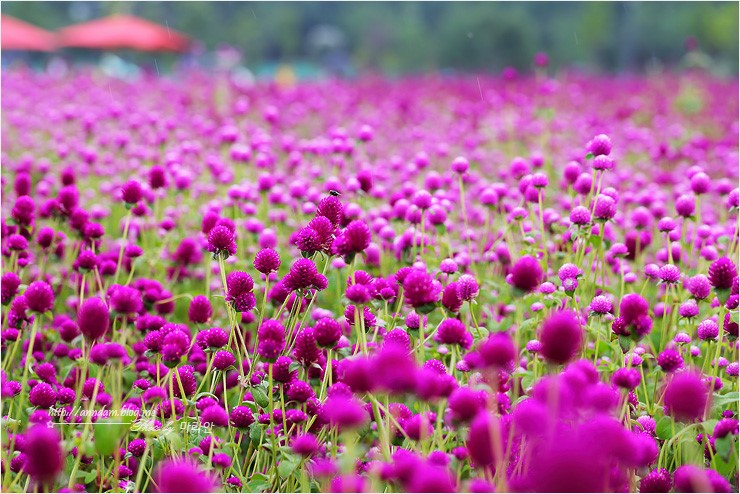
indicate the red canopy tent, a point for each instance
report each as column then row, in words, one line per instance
column 123, row 31
column 19, row 35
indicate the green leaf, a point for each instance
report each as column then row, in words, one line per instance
column 595, row 241
column 288, row 465
column 721, row 400
column 664, row 428
column 258, row 482
column 88, row 477
column 589, row 156
column 725, row 468
column 426, row 308
column 708, row 425
column 255, row 433
column 625, row 343
column 109, row 432
column 205, row 393
column 724, row 446
column 691, row 451
column 527, row 380
column 260, row 397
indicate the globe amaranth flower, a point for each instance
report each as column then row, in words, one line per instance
column 175, row 344
column 453, row 332
column 568, row 270
column 42, row 395
column 600, row 145
column 93, row 318
column 700, row 183
column 467, row 288
column 327, row 332
column 221, row 242
column 212, row 338
column 200, row 310
column 602, row 163
column 601, row 305
column 634, row 319
column 215, row 416
column 44, row 456
column 685, row 205
column 561, row 337
column 707, row 330
column 725, row 427
column 480, row 443
column 465, row 403
column 722, row 273
column 604, row 208
column 699, row 286
column 303, row 275
column 267, row 261
column 580, row 216
column 497, row 351
column 345, row 412
column 460, row 165
column 131, row 192
column 157, row 177
column 358, row 294
column 241, row 417
column 305, row 349
column 658, row 480
column 17, row 315
column 368, row 320
column 39, row 297
column 688, row 309
column 17, row 242
column 448, row 266
column 354, row 239
column 305, row 445
column 182, row 475
column 669, row 273
column 670, row 360
column 23, row 211
column 239, row 287
column 331, row 208
column 222, row 360
column 125, row 300
column 685, row 397
column 420, row 289
column 398, row 336
column 451, row 298
column 317, row 236
column 691, row 478
column 9, row 285
column 526, row 275
column 271, row 337
column 627, row 378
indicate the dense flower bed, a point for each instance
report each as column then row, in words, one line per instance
column 425, row 285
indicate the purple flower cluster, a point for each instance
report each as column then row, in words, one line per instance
column 336, row 286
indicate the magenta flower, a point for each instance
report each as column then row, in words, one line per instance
column 221, row 242
column 561, row 337
column 93, row 318
column 182, row 476
column 526, row 275
column 686, row 397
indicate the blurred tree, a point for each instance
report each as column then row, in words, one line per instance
column 400, row 37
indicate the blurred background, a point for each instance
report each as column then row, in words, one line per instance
column 313, row 39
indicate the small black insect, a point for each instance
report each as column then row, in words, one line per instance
column 334, row 193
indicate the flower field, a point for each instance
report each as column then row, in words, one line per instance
column 475, row 284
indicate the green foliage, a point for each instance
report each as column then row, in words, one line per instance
column 415, row 36
column 109, row 432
